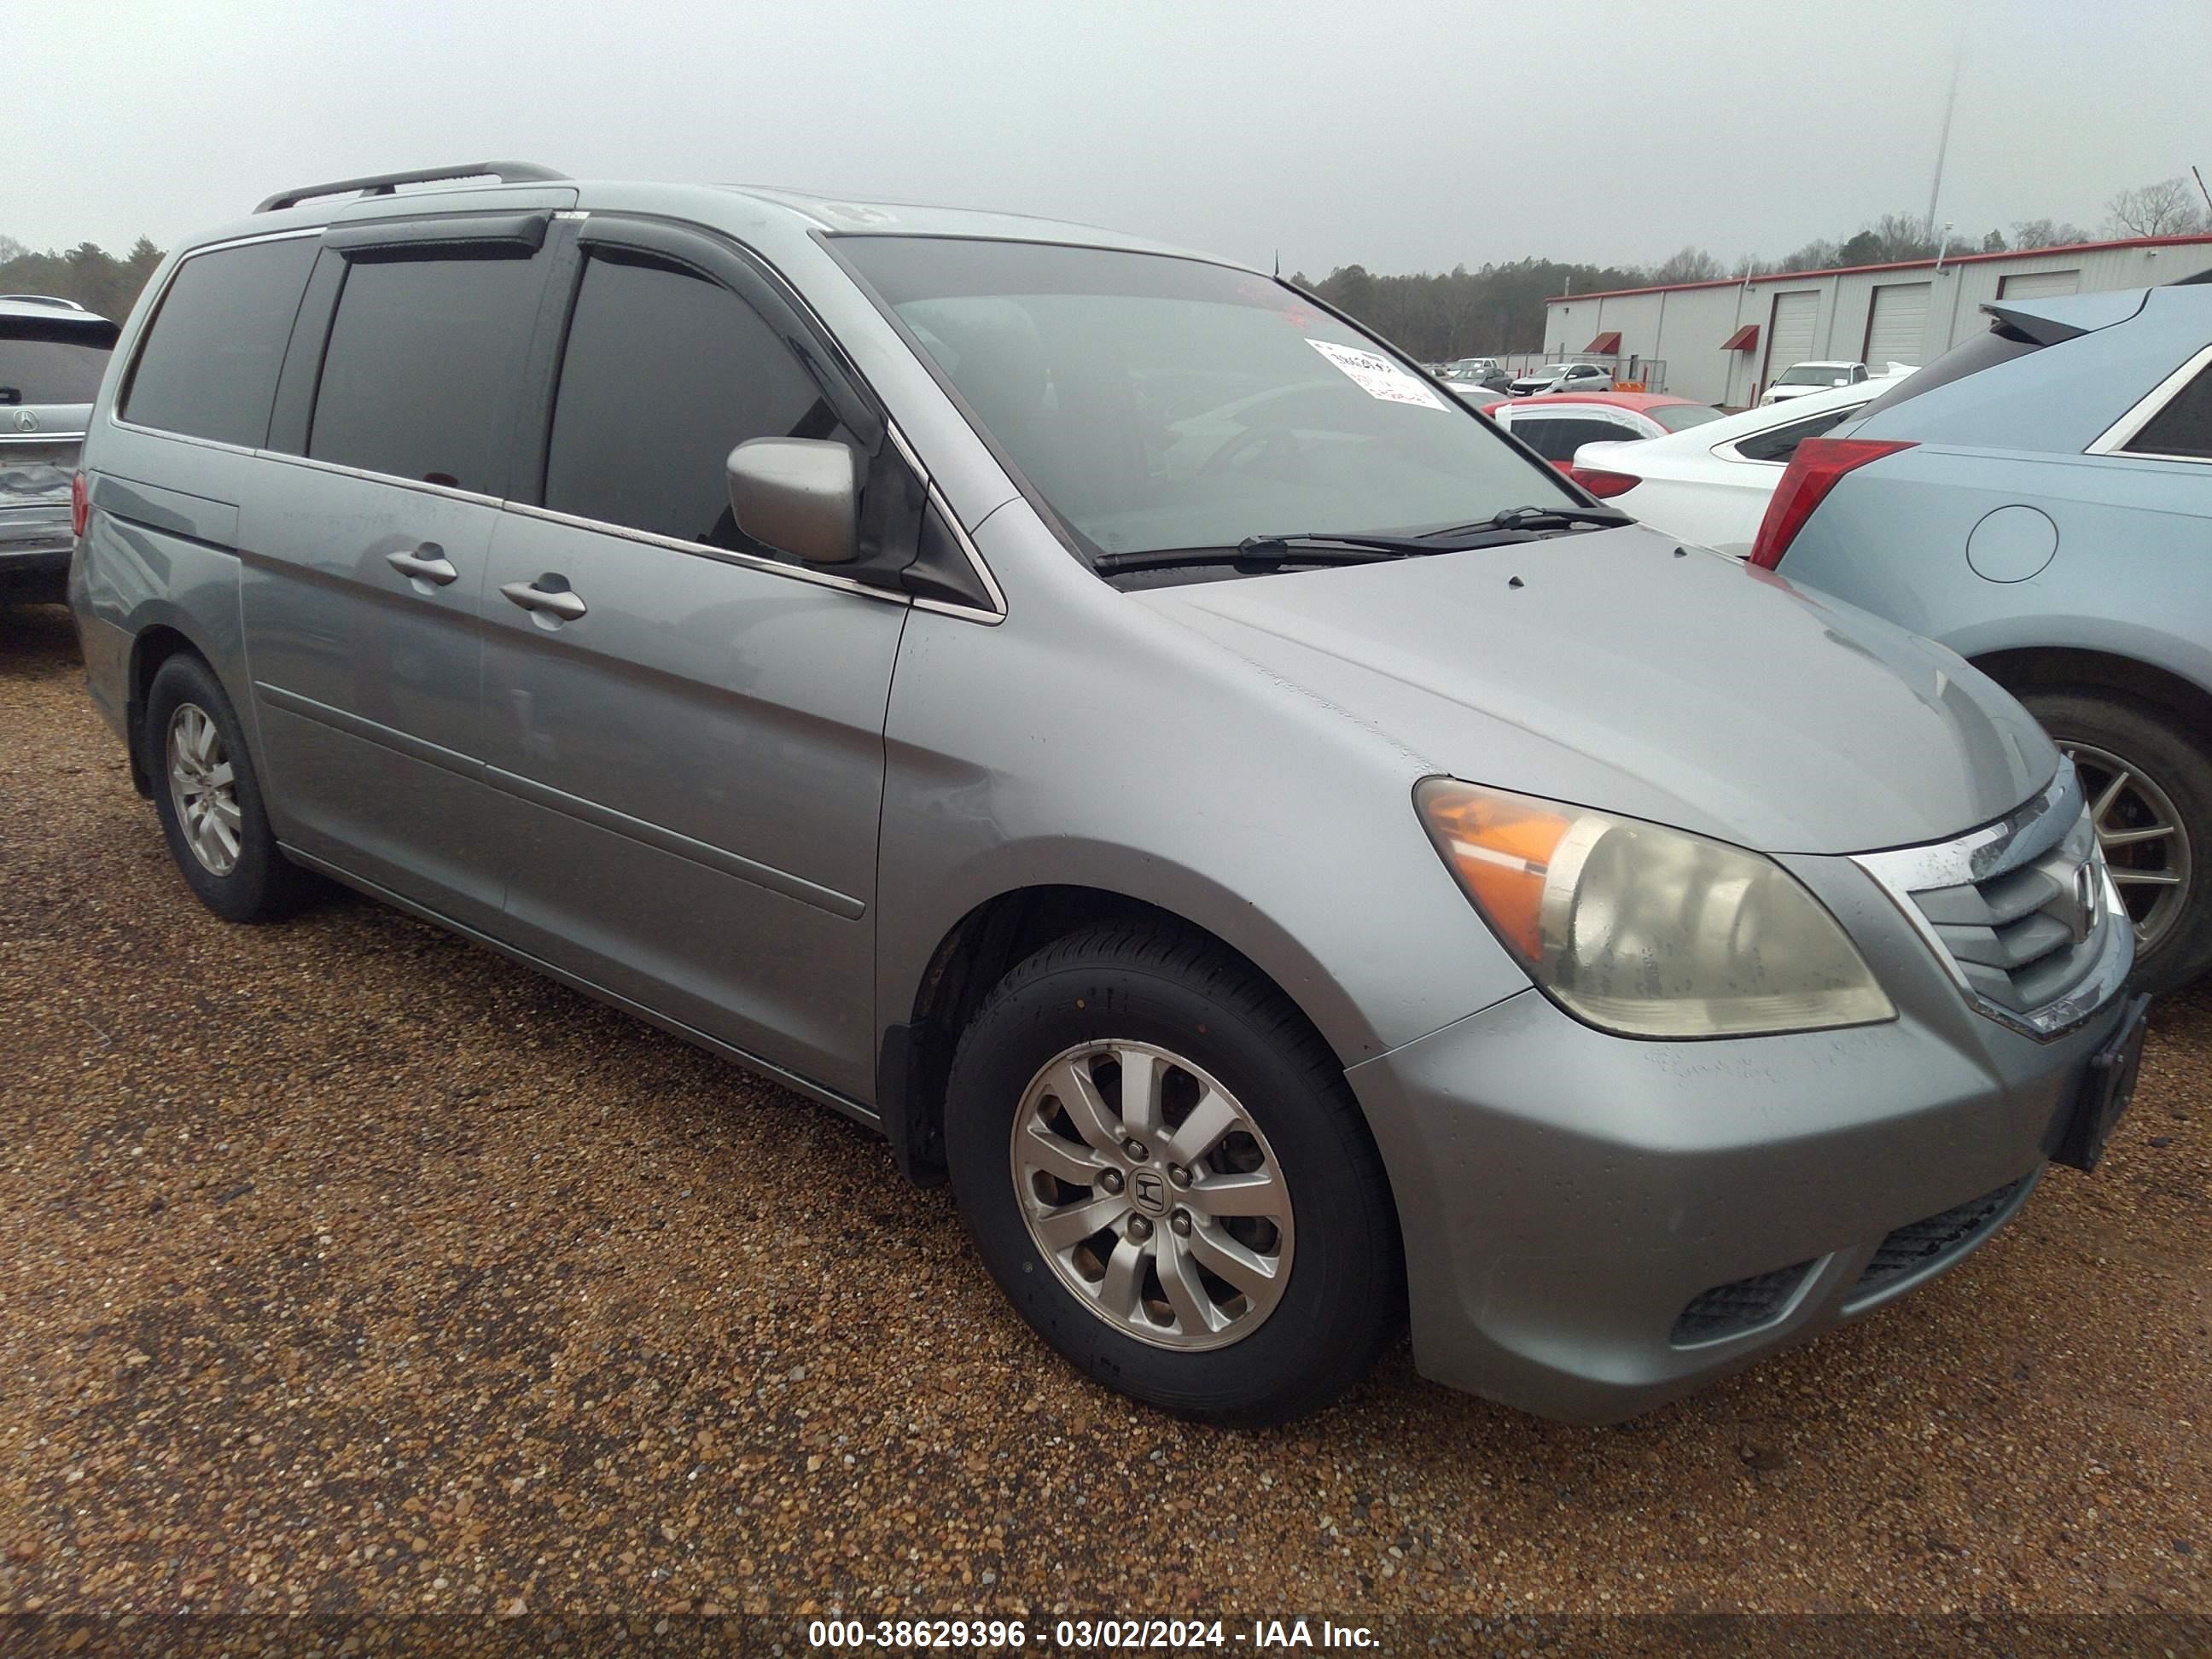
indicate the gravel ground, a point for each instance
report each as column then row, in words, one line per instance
column 347, row 1267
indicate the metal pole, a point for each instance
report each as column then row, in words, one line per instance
column 1943, row 144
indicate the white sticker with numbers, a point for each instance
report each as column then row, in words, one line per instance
column 1377, row 376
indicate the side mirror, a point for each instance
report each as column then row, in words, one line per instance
column 798, row 495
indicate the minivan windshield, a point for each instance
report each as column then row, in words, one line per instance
column 1157, row 403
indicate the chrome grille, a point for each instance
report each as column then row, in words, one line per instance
column 2022, row 911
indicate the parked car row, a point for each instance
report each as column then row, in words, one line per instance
column 1293, row 860
column 1708, row 482
column 1943, row 498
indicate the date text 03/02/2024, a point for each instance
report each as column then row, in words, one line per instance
column 1083, row 1635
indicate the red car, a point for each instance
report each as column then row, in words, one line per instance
column 1556, row 424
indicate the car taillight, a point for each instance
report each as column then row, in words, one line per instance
column 80, row 502
column 1602, row 484
column 1817, row 467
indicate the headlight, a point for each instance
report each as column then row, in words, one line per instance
column 1646, row 931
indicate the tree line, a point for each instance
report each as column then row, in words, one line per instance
column 87, row 273
column 1500, row 308
column 1435, row 316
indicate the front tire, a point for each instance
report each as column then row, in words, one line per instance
column 2150, row 791
column 1160, row 1162
column 209, row 800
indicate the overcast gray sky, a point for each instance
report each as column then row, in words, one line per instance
column 1405, row 135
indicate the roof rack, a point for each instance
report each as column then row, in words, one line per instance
column 384, row 184
column 43, row 300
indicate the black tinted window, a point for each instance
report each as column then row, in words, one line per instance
column 1557, row 439
column 43, row 363
column 208, row 365
column 420, row 377
column 666, row 374
column 2183, row 426
column 2000, row 345
column 1781, row 443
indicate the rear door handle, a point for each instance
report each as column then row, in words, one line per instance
column 426, row 563
column 554, row 601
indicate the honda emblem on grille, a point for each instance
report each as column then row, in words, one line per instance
column 2085, row 900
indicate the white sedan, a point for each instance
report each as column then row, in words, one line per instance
column 1708, row 484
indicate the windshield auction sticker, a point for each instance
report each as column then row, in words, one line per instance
column 1377, row 376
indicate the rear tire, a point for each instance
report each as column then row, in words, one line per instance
column 2164, row 802
column 1215, row 1044
column 209, row 800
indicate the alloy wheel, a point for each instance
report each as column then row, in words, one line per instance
column 1153, row 1195
column 2145, row 840
column 203, row 788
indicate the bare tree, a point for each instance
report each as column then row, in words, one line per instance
column 2167, row 208
column 1690, row 265
column 2031, row 233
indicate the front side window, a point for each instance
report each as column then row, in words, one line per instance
column 422, row 368
column 208, row 365
column 1157, row 403
column 666, row 373
column 2183, row 426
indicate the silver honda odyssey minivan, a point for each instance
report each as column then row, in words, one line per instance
column 1093, row 713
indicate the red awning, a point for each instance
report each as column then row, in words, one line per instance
column 1744, row 339
column 1605, row 344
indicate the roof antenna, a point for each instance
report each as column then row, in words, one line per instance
column 1279, row 264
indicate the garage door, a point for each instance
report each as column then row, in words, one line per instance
column 2039, row 284
column 1897, row 325
column 1790, row 335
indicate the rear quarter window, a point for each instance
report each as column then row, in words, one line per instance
column 207, row 367
column 2182, row 428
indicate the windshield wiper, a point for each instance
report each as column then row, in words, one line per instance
column 1535, row 518
column 1268, row 552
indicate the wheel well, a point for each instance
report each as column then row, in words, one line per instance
column 154, row 646
column 2057, row 668
column 916, row 1058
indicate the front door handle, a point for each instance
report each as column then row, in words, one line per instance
column 554, row 601
column 426, row 563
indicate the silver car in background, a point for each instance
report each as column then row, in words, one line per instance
column 2040, row 501
column 52, row 353
column 1097, row 716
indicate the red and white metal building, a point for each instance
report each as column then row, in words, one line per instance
column 1723, row 342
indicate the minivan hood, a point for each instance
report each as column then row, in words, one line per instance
column 1624, row 672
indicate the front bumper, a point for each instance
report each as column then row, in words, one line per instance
column 1595, row 1224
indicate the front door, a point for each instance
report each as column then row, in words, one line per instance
column 689, row 729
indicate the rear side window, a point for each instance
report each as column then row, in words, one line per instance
column 2183, row 426
column 1781, row 443
column 47, row 363
column 208, row 365
column 1557, row 439
column 666, row 373
column 424, row 364
column 2000, row 345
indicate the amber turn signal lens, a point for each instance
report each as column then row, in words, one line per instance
column 1500, row 847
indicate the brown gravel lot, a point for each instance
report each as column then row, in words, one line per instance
column 345, row 1267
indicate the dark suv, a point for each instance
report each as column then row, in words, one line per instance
column 52, row 353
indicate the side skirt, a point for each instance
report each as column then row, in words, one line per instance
column 827, row 1096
